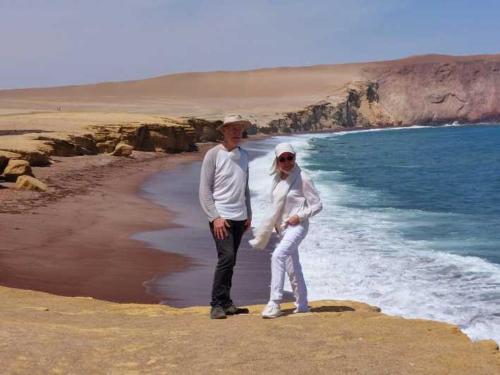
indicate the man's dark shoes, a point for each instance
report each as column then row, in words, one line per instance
column 233, row 310
column 217, row 312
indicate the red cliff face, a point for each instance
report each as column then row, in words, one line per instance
column 440, row 89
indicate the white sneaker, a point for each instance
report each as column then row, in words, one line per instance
column 272, row 310
column 301, row 310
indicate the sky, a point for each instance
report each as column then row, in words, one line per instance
column 62, row 42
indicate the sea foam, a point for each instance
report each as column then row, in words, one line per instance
column 357, row 252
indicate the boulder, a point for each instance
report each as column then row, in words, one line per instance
column 33, row 157
column 16, row 168
column 30, row 183
column 36, row 158
column 122, row 149
column 106, row 146
column 5, row 156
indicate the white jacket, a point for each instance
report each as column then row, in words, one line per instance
column 295, row 195
column 302, row 199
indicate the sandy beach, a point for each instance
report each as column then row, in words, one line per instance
column 94, row 233
column 75, row 239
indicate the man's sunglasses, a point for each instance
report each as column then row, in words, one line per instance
column 282, row 159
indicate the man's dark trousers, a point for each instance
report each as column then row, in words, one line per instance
column 226, row 254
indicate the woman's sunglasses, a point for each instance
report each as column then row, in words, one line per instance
column 282, row 159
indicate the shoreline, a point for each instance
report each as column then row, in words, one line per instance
column 76, row 239
column 53, row 253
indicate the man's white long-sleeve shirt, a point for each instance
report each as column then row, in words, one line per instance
column 224, row 184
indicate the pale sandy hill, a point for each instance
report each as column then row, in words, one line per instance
column 262, row 92
column 202, row 94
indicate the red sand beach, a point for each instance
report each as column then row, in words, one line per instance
column 75, row 240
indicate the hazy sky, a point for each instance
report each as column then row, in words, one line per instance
column 60, row 42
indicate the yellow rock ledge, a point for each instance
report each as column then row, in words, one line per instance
column 43, row 333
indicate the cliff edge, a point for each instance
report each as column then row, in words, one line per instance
column 42, row 333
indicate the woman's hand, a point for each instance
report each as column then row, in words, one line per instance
column 220, row 228
column 293, row 220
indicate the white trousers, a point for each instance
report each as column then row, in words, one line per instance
column 285, row 258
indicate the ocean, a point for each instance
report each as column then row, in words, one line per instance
column 411, row 220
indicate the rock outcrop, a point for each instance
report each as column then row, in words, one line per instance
column 30, row 183
column 356, row 105
column 16, row 168
column 122, row 149
column 85, row 336
column 169, row 136
column 440, row 89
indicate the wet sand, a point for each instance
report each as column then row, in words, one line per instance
column 75, row 239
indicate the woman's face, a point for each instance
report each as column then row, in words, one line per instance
column 286, row 162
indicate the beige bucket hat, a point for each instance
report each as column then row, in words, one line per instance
column 234, row 119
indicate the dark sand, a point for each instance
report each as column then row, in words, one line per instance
column 75, row 239
column 189, row 236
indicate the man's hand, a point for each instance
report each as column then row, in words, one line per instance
column 248, row 224
column 220, row 228
column 293, row 220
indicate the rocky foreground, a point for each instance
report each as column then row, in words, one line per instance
column 42, row 333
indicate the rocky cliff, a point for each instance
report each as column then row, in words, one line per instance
column 440, row 89
column 355, row 105
column 425, row 91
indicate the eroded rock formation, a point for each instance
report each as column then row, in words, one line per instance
column 356, row 105
column 440, row 89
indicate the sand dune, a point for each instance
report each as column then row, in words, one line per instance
column 262, row 92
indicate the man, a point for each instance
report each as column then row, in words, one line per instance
column 225, row 198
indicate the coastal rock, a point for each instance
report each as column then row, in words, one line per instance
column 206, row 131
column 106, row 146
column 30, row 183
column 355, row 105
column 34, row 157
column 16, row 168
column 122, row 149
column 171, row 136
column 68, row 144
column 440, row 89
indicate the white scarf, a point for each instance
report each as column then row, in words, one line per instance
column 263, row 232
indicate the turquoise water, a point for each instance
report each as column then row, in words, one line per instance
column 449, row 177
column 411, row 220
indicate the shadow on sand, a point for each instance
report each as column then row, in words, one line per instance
column 323, row 309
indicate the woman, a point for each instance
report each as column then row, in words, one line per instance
column 295, row 200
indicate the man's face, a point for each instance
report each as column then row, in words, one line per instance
column 233, row 134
